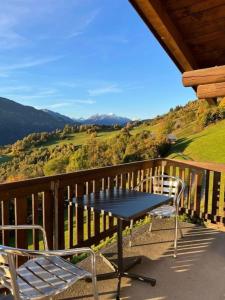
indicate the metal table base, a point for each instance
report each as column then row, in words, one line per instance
column 119, row 269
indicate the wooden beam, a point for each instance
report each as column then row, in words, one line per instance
column 204, row 76
column 211, row 90
column 154, row 14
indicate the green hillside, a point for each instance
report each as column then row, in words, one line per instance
column 207, row 145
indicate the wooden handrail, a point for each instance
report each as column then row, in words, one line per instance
column 218, row 167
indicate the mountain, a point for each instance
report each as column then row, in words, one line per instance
column 105, row 119
column 17, row 121
column 60, row 117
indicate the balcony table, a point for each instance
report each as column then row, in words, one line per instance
column 125, row 205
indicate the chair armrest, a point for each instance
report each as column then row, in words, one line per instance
column 66, row 252
column 33, row 253
column 27, row 227
column 25, row 252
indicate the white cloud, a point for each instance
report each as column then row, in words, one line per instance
column 84, row 22
column 66, row 103
column 109, row 89
column 58, row 105
column 28, row 63
column 74, row 34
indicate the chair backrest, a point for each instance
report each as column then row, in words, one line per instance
column 166, row 185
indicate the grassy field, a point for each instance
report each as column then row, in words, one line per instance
column 207, row 145
column 80, row 138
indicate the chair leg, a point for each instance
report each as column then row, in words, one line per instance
column 175, row 236
column 151, row 224
column 131, row 232
column 180, row 229
column 95, row 291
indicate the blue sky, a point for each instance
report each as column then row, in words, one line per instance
column 82, row 57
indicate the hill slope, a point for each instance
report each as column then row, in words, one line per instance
column 207, row 145
column 16, row 121
column 60, row 117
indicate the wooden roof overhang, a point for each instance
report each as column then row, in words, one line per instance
column 191, row 31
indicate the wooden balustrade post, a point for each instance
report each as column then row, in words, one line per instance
column 48, row 216
column 197, row 194
column 5, row 221
column 80, row 215
column 206, row 196
column 97, row 189
column 59, row 238
column 35, row 220
column 70, row 216
column 216, row 197
column 182, row 177
column 21, row 240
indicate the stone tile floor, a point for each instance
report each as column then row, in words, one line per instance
column 198, row 273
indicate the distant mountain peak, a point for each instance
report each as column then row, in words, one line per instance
column 105, row 119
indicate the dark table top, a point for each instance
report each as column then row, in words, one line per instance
column 122, row 203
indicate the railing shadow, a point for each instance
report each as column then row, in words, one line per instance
column 201, row 258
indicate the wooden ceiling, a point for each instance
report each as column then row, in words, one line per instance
column 191, row 31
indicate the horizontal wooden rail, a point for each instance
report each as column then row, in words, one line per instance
column 51, row 201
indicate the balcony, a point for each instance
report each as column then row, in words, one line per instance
column 51, row 202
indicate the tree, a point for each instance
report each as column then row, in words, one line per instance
column 56, row 166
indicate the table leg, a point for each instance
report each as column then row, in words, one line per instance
column 120, row 270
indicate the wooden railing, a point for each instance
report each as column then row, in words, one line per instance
column 51, row 201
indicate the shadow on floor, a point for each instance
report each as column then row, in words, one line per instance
column 198, row 273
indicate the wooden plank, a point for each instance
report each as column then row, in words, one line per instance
column 211, row 90
column 96, row 224
column 35, row 221
column 197, row 194
column 30, row 186
column 215, row 194
column 70, row 208
column 58, row 193
column 89, row 213
column 48, row 207
column 182, row 177
column 80, row 215
column 123, row 181
column 197, row 165
column 206, row 202
column 21, row 240
column 21, row 236
column 97, row 216
column 154, row 14
column 97, row 186
column 134, row 179
column 5, row 221
column 204, row 76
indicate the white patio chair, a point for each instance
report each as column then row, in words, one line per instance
column 45, row 274
column 166, row 185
